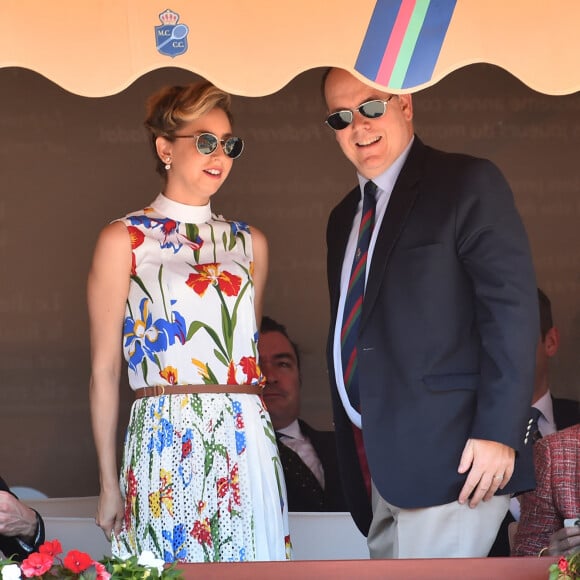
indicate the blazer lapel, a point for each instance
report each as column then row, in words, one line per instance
column 400, row 205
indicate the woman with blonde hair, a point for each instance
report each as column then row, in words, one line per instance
column 182, row 289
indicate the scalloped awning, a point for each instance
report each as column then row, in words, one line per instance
column 254, row 47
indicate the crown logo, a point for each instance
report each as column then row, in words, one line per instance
column 169, row 18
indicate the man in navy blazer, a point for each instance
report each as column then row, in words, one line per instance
column 447, row 335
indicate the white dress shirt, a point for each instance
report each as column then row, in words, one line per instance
column 292, row 437
column 385, row 183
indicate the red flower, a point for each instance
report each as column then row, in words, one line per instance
column 202, row 532
column 36, row 564
column 168, row 227
column 52, row 548
column 208, row 274
column 232, row 374
column 563, row 564
column 133, row 264
column 131, row 494
column 230, row 484
column 77, row 562
column 102, row 573
column 136, row 236
column 169, row 374
column 250, row 368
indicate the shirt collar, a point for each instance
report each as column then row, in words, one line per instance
column 544, row 405
column 292, row 430
column 386, row 180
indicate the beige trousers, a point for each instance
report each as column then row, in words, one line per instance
column 445, row 531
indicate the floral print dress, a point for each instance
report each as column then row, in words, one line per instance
column 201, row 474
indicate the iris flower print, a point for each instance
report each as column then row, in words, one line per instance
column 176, row 542
column 208, row 274
column 161, row 435
column 169, row 374
column 230, row 487
column 238, row 227
column 169, row 236
column 145, row 337
column 202, row 532
column 240, row 427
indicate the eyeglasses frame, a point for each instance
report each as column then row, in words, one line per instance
column 221, row 142
column 357, row 109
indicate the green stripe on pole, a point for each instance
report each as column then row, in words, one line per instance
column 408, row 45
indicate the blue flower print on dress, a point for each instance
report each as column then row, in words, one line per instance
column 143, row 337
column 164, row 432
column 176, row 542
column 240, row 428
column 169, row 236
column 238, row 227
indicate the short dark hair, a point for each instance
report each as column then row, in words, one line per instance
column 546, row 321
column 271, row 325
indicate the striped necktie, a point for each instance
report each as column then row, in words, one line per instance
column 354, row 296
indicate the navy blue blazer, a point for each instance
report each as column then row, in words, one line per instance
column 448, row 331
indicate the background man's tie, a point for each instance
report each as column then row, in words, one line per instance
column 354, row 296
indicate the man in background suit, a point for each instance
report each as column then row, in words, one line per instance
column 21, row 527
column 308, row 456
column 446, row 337
column 555, row 414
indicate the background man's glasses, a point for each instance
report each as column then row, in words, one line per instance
column 371, row 110
column 206, row 144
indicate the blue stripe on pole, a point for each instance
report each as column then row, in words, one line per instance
column 429, row 43
column 377, row 37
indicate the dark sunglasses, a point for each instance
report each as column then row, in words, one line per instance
column 371, row 110
column 206, row 144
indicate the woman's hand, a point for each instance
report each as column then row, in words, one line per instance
column 110, row 513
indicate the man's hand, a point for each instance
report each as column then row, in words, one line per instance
column 490, row 465
column 565, row 541
column 16, row 519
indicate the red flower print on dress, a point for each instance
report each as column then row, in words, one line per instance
column 232, row 374
column 208, row 274
column 202, row 532
column 130, row 497
column 77, row 562
column 136, row 236
column 169, row 374
column 230, row 486
column 250, row 368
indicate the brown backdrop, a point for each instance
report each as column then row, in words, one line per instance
column 72, row 164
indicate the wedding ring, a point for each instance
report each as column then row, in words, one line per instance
column 498, row 476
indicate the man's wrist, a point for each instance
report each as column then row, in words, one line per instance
column 30, row 544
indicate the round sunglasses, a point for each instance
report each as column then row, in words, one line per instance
column 206, row 144
column 371, row 110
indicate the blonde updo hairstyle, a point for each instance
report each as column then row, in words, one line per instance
column 172, row 108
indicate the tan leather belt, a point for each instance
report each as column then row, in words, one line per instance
column 158, row 390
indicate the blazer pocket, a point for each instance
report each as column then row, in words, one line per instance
column 422, row 247
column 455, row 382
